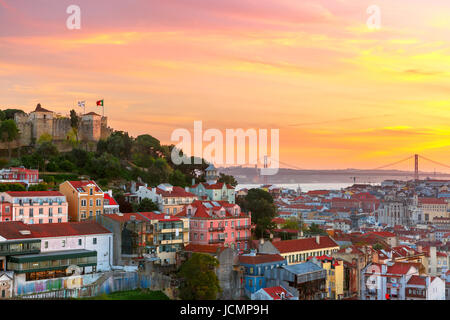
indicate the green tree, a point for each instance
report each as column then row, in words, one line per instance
column 291, row 223
column 46, row 151
column 228, row 179
column 9, row 132
column 314, row 229
column 11, row 187
column 199, row 280
column 45, row 137
column 260, row 204
column 146, row 205
column 177, row 178
column 9, row 113
column 38, row 187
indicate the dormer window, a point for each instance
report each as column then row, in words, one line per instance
column 91, row 191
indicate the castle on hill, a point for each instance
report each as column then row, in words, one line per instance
column 32, row 126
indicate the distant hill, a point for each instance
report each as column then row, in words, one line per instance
column 251, row 175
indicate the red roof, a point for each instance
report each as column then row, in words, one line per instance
column 384, row 234
column 275, row 292
column 260, row 258
column 203, row 248
column 402, row 267
column 417, row 280
column 84, row 183
column 111, row 200
column 176, row 192
column 11, row 230
column 278, row 220
column 34, row 194
column 432, row 201
column 305, row 244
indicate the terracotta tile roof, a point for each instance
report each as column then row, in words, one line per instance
column 260, row 258
column 432, row 201
column 402, row 267
column 305, row 244
column 275, row 292
column 203, row 248
column 11, row 230
column 29, row 194
column 40, row 109
column 84, row 183
column 417, row 280
column 112, row 201
column 176, row 192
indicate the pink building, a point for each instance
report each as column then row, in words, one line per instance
column 218, row 222
column 34, row 207
column 19, row 175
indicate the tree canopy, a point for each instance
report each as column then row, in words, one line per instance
column 260, row 204
column 199, row 280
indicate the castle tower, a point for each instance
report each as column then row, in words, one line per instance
column 42, row 122
column 211, row 174
column 91, row 126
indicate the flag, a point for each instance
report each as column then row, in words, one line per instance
column 81, row 103
column 100, row 103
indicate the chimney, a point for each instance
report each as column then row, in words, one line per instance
column 110, row 193
column 261, row 241
column 318, row 239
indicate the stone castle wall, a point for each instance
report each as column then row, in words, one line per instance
column 34, row 125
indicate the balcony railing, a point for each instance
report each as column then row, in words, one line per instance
column 216, row 241
column 242, row 227
column 216, row 229
column 242, row 238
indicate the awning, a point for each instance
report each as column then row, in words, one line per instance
column 56, row 255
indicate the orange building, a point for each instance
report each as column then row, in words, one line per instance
column 85, row 199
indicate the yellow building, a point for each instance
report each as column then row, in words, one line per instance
column 85, row 199
column 335, row 276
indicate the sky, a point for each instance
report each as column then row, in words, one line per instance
column 341, row 94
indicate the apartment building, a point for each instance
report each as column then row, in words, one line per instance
column 169, row 199
column 85, row 199
column 34, row 207
column 218, row 222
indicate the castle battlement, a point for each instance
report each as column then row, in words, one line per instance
column 32, row 126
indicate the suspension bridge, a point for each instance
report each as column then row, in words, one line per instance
column 415, row 173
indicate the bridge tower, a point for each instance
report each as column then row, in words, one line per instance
column 416, row 167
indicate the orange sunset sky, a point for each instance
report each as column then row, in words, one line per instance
column 342, row 95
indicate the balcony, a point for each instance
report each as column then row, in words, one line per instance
column 243, row 239
column 216, row 229
column 211, row 241
column 242, row 227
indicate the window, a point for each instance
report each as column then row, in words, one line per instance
column 41, row 211
column 50, row 212
column 20, row 212
column 63, row 244
column 46, row 244
column 31, row 212
column 99, row 202
column 91, row 202
column 41, row 221
column 90, row 213
column 94, row 241
column 79, row 242
column 59, row 210
column 91, row 191
column 83, row 203
column 50, row 220
column 59, row 220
